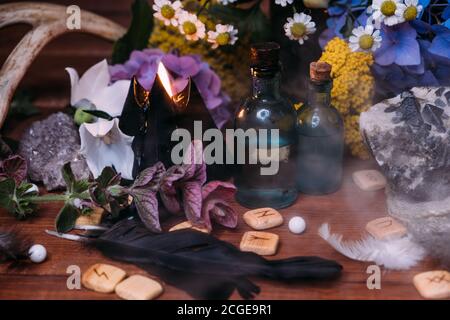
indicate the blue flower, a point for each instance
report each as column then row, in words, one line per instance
column 446, row 15
column 440, row 45
column 399, row 46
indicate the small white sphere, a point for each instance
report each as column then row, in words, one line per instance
column 37, row 253
column 297, row 225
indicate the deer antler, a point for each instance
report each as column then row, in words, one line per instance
column 48, row 22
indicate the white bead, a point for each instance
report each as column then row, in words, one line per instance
column 37, row 253
column 297, row 225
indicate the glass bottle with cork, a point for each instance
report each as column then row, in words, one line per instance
column 266, row 109
column 321, row 136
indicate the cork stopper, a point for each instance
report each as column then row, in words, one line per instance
column 320, row 71
column 265, row 55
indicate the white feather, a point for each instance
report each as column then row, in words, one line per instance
column 397, row 254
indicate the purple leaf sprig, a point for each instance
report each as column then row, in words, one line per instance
column 14, row 167
column 183, row 188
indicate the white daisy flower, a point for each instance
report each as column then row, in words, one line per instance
column 191, row 26
column 365, row 38
column 410, row 9
column 299, row 27
column 283, row 3
column 167, row 11
column 387, row 11
column 225, row 34
column 225, row 2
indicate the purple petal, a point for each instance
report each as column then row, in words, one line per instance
column 14, row 167
column 386, row 54
column 215, row 207
column 441, row 45
column 192, row 201
column 407, row 52
column 147, row 207
column 185, row 66
column 168, row 190
column 150, row 176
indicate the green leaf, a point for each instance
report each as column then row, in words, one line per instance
column 65, row 221
column 80, row 186
column 108, row 177
column 13, row 198
column 68, row 176
column 138, row 33
column 250, row 21
column 99, row 114
column 346, row 30
column 7, row 191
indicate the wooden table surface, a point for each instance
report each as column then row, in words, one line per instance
column 347, row 211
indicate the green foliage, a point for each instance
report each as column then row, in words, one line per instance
column 98, row 114
column 15, row 199
column 250, row 21
column 138, row 33
column 65, row 221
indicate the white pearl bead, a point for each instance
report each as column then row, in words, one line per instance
column 37, row 253
column 297, row 225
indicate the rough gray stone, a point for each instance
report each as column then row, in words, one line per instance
column 409, row 136
column 47, row 145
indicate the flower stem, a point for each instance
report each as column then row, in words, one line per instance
column 48, row 198
column 202, row 7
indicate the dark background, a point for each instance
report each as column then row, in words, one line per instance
column 81, row 51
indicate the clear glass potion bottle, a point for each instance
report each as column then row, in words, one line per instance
column 266, row 109
column 321, row 136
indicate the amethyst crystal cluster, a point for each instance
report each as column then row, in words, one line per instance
column 409, row 136
column 47, row 145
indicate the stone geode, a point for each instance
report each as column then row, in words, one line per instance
column 47, row 145
column 409, row 136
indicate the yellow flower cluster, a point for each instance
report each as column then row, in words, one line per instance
column 230, row 64
column 352, row 91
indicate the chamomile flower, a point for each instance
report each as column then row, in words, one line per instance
column 225, row 34
column 283, row 3
column 387, row 11
column 191, row 26
column 410, row 9
column 365, row 38
column 299, row 27
column 225, row 2
column 167, row 11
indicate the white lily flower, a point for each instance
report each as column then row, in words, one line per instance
column 94, row 87
column 103, row 144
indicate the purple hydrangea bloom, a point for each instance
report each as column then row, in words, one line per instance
column 144, row 64
column 399, row 46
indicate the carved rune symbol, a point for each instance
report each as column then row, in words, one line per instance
column 258, row 241
column 101, row 274
column 385, row 224
column 438, row 279
column 265, row 213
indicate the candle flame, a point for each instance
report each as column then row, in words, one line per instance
column 165, row 79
